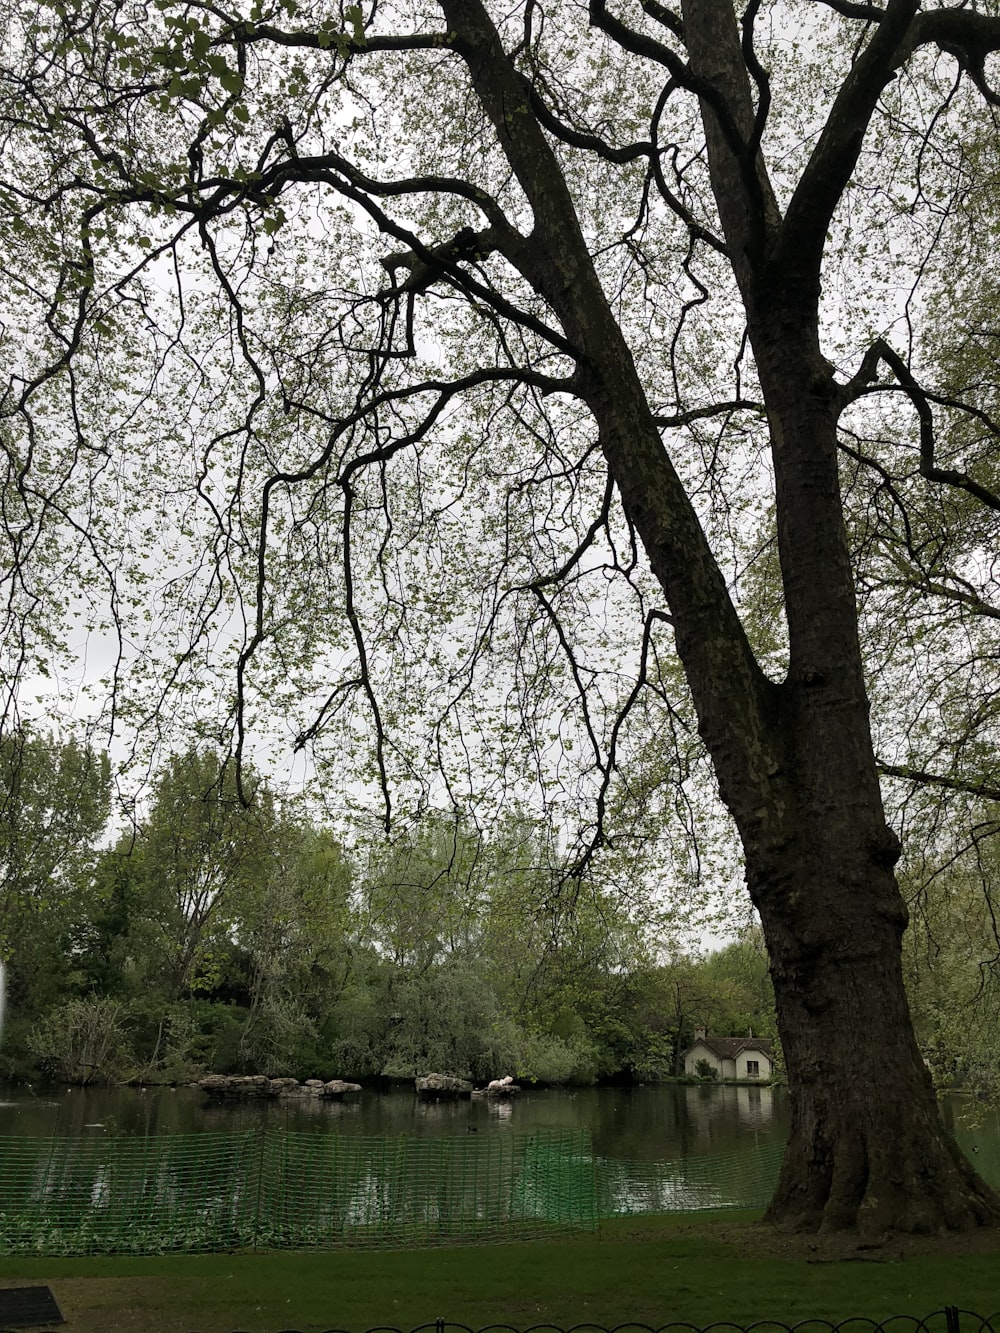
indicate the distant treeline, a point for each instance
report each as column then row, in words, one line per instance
column 243, row 937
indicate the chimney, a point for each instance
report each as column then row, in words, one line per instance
column 700, row 1033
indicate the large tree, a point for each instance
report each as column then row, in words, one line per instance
column 199, row 862
column 604, row 232
column 55, row 798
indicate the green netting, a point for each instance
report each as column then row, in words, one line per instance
column 338, row 1190
column 280, row 1189
column 128, row 1195
column 689, row 1184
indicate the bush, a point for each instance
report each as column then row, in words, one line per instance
column 18, row 1061
column 280, row 1039
column 84, row 1041
column 705, row 1069
column 544, row 1058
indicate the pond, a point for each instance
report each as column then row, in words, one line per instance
column 641, row 1124
column 527, row 1158
column 134, row 1169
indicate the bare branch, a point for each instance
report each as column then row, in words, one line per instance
column 880, row 350
column 920, row 776
column 678, row 419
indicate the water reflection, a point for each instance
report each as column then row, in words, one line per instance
column 639, row 1124
column 717, row 1118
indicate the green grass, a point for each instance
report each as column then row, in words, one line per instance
column 647, row 1270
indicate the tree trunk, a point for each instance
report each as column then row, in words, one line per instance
column 867, row 1147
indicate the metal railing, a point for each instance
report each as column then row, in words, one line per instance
column 949, row 1319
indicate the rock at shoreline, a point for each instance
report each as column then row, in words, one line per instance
column 240, row 1085
column 337, row 1087
column 259, row 1085
column 442, row 1085
column 502, row 1087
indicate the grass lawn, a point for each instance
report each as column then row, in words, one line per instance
column 647, row 1270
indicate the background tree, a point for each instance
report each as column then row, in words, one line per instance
column 483, row 425
column 952, row 954
column 486, row 967
column 54, row 806
column 298, row 931
column 200, row 853
column 238, row 939
column 737, row 978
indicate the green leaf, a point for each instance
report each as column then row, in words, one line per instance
column 189, row 87
column 355, row 18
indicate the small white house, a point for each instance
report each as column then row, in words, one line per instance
column 731, row 1057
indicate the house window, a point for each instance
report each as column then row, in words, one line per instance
column 753, row 1069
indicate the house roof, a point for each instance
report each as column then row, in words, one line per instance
column 728, row 1048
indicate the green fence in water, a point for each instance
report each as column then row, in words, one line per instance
column 279, row 1189
column 689, row 1184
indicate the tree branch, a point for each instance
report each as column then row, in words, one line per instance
column 866, row 13
column 714, row 410
column 880, row 350
column 922, row 777
column 967, row 35
column 823, row 180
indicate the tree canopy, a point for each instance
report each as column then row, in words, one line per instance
column 422, row 383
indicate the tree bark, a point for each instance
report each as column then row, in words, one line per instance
column 867, row 1148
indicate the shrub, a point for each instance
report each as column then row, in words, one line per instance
column 84, row 1041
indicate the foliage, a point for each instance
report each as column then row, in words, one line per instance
column 738, row 981
column 84, row 1041
column 54, row 804
column 952, row 959
column 219, row 937
column 198, row 853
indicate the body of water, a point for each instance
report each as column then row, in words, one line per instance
column 640, row 1123
column 71, row 1158
column 116, row 1168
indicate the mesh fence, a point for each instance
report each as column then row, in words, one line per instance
column 689, row 1184
column 319, row 1190
column 128, row 1195
column 280, row 1189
